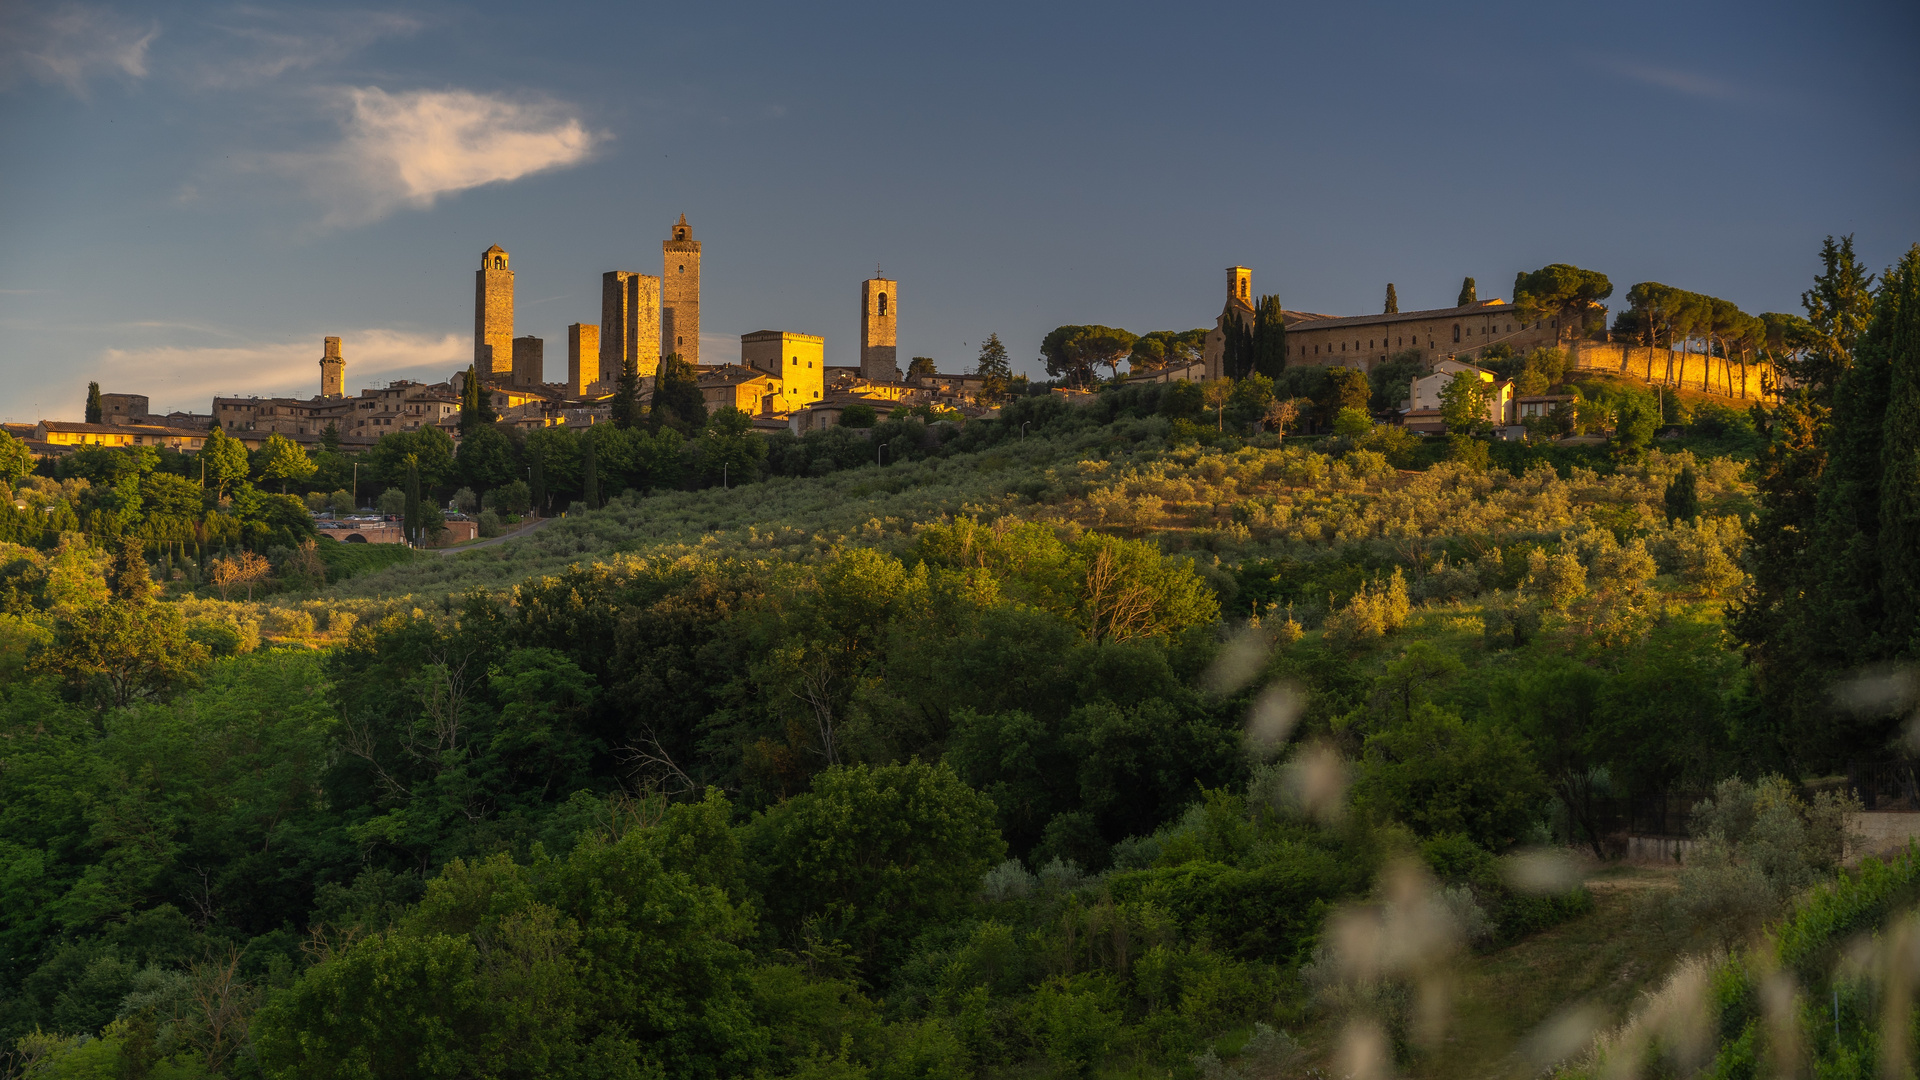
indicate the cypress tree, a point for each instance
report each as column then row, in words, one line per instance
column 1468, row 293
column 1850, row 595
column 410, row 514
column 626, row 395
column 1683, row 496
column 537, row 480
column 93, row 403
column 590, row 491
column 1393, row 300
column 1899, row 336
column 330, row 438
column 1269, row 338
column 476, row 405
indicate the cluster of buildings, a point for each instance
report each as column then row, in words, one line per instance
column 1446, row 340
column 783, row 380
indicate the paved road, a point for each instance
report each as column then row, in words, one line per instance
column 523, row 530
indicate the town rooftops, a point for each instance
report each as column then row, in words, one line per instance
column 730, row 374
column 70, row 428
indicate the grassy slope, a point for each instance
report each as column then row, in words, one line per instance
column 1605, row 959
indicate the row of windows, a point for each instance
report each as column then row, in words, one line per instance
column 1400, row 342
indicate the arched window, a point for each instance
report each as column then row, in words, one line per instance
column 1456, row 331
column 683, row 268
column 499, row 263
column 883, row 305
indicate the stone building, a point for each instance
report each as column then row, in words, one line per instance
column 879, row 323
column 797, row 360
column 630, row 321
column 680, row 294
column 1364, row 341
column 583, row 360
column 529, row 361
column 493, row 313
column 333, row 369
column 124, row 408
column 738, row 386
column 1421, row 410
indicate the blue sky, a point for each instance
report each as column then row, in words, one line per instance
column 192, row 194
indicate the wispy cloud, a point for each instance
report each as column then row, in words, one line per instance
column 258, row 45
column 412, row 148
column 1679, row 80
column 188, row 378
column 71, row 44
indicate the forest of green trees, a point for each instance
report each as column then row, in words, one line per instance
column 1139, row 737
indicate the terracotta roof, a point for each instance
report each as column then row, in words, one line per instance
column 731, row 374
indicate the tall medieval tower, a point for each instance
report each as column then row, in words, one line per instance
column 879, row 321
column 493, row 314
column 630, row 323
column 680, row 294
column 333, row 369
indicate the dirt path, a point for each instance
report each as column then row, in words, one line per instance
column 524, row 530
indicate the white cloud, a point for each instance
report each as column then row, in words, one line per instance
column 1690, row 83
column 68, row 44
column 188, row 378
column 411, row 148
column 262, row 44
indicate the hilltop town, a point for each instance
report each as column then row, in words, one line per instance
column 784, row 382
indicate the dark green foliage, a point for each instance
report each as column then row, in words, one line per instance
column 1392, row 382
column 590, row 474
column 677, row 401
column 628, row 412
column 1393, row 301
column 487, row 460
column 1269, row 338
column 874, row 856
column 1838, row 592
column 1440, row 774
column 1683, row 496
column 1072, row 352
column 94, row 412
column 476, row 404
column 859, row 416
column 1341, row 388
column 1468, row 293
column 1561, row 292
column 1264, row 912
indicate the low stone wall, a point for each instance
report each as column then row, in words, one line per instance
column 1665, row 367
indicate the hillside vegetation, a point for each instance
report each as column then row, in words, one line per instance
column 1085, row 741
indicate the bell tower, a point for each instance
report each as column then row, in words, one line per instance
column 680, row 294
column 493, row 313
column 333, row 369
column 879, row 325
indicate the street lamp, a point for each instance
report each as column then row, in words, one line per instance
column 878, row 450
column 1023, row 429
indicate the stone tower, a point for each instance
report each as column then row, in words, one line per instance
column 529, row 361
column 333, row 369
column 1240, row 286
column 680, row 294
column 630, row 322
column 583, row 359
column 493, row 314
column 879, row 319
